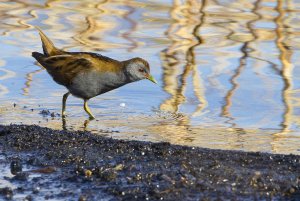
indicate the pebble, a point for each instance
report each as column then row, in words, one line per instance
column 21, row 176
column 15, row 167
column 82, row 198
column 36, row 189
column 6, row 192
column 88, row 173
column 28, row 198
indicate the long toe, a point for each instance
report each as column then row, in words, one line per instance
column 87, row 110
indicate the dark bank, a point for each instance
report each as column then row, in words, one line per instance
column 63, row 165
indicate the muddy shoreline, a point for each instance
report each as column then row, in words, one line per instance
column 41, row 163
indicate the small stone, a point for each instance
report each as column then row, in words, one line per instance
column 108, row 175
column 292, row 190
column 119, row 167
column 36, row 189
column 15, row 167
column 88, row 173
column 82, row 198
column 45, row 113
column 21, row 176
column 7, row 192
column 28, row 198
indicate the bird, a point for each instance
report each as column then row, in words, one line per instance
column 86, row 74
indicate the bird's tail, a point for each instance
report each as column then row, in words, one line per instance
column 48, row 47
column 38, row 56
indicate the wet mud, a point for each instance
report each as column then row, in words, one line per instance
column 44, row 164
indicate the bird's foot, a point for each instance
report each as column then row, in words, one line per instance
column 92, row 118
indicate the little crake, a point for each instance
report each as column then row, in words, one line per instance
column 87, row 74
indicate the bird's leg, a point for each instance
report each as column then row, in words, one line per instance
column 64, row 104
column 87, row 109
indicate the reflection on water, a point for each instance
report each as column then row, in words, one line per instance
column 228, row 70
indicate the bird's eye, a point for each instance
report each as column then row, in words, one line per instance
column 141, row 70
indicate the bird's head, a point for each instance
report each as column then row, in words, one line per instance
column 138, row 69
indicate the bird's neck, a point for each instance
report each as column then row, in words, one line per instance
column 127, row 72
column 124, row 77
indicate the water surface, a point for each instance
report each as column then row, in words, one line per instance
column 228, row 71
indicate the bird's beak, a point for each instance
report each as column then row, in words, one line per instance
column 151, row 78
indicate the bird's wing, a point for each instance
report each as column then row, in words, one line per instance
column 100, row 63
column 63, row 68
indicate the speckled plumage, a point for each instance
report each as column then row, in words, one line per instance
column 87, row 74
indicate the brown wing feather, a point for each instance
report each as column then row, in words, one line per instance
column 64, row 68
column 100, row 63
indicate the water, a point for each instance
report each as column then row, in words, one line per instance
column 228, row 71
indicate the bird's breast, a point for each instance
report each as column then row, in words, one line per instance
column 90, row 84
